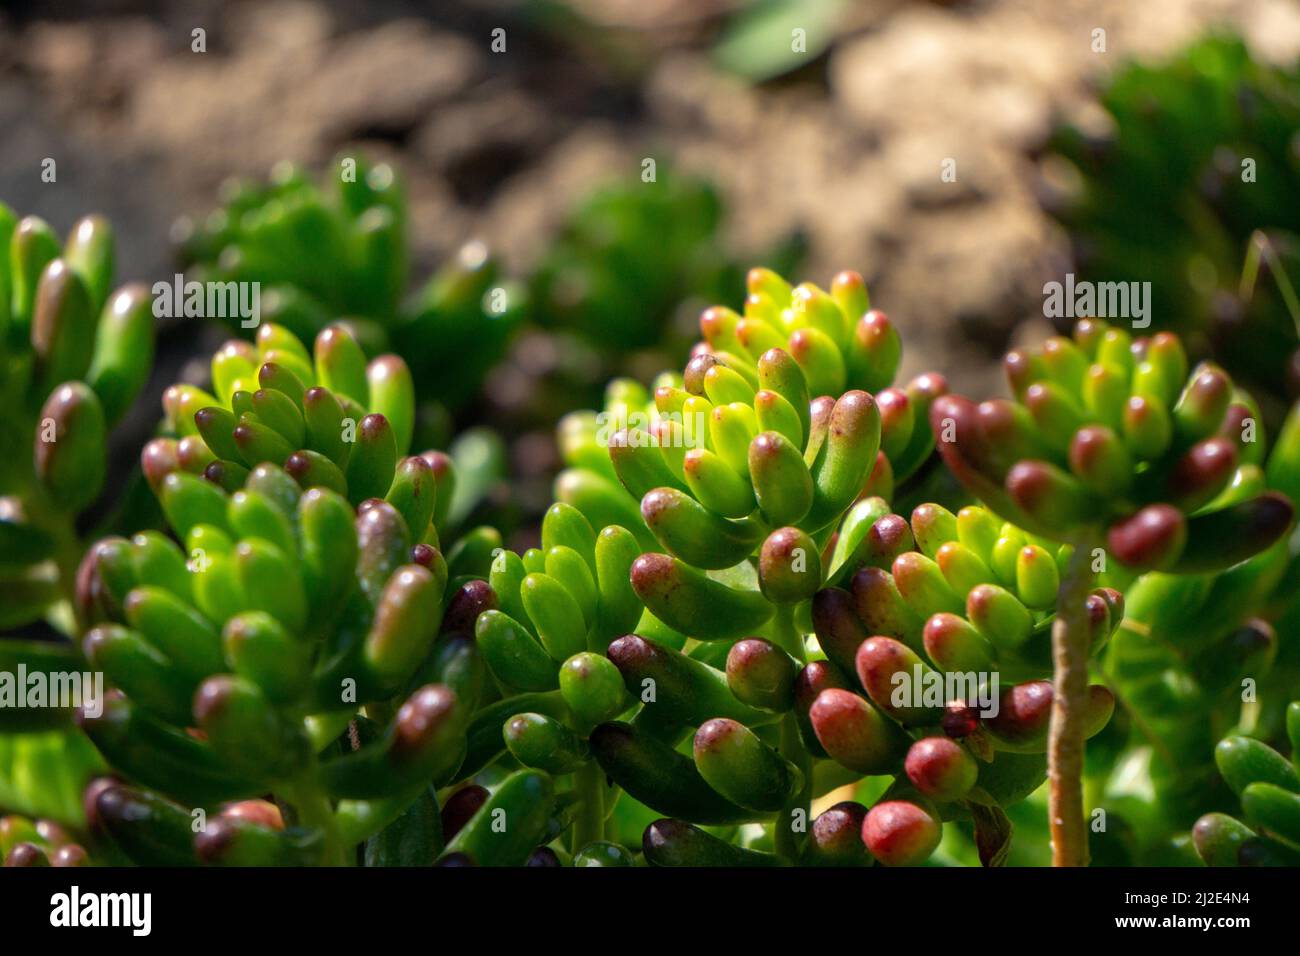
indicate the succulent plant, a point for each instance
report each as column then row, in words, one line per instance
column 728, row 650
column 287, row 611
column 323, row 255
column 73, row 356
column 629, row 258
column 1109, row 440
column 964, row 595
column 967, row 591
column 752, row 377
column 747, row 520
column 1113, row 432
column 293, row 611
column 329, row 417
column 26, row 842
column 1269, row 788
column 1196, row 160
column 1200, row 656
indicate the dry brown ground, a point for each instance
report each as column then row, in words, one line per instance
column 498, row 145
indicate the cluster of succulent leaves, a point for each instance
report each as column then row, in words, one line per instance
column 329, row 417
column 666, row 655
column 1112, row 441
column 1200, row 657
column 341, row 252
column 40, row 842
column 630, row 256
column 1269, row 788
column 607, row 296
column 1161, row 196
column 1112, row 433
column 316, row 668
column 310, row 585
column 73, row 356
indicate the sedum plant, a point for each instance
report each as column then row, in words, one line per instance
column 26, row 842
column 700, row 664
column 628, row 256
column 1204, row 656
column 288, row 610
column 1114, row 435
column 725, row 728
column 945, row 596
column 73, row 356
column 324, row 254
column 1191, row 178
column 1269, row 789
column 293, row 612
column 1111, row 445
column 296, row 611
column 328, row 416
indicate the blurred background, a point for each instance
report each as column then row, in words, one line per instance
column 811, row 159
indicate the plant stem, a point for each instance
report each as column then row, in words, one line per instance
column 314, row 810
column 787, row 636
column 590, row 823
column 1070, row 638
column 792, row 749
column 68, row 560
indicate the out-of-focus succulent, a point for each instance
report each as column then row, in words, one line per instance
column 630, row 258
column 342, row 253
column 1269, row 789
column 1196, row 156
column 1201, row 656
column 26, row 842
column 73, row 356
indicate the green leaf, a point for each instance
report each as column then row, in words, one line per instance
column 44, row 774
column 761, row 44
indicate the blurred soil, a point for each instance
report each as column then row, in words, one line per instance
column 849, row 148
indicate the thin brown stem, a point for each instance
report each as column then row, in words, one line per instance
column 1070, row 639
